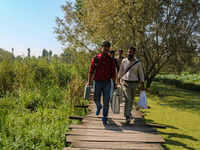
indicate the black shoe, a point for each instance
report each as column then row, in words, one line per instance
column 131, row 117
column 98, row 111
column 104, row 120
column 128, row 120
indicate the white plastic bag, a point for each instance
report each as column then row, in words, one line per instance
column 142, row 102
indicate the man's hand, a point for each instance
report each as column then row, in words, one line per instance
column 143, row 88
column 115, row 86
column 89, row 78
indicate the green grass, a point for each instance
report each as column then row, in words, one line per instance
column 186, row 78
column 179, row 110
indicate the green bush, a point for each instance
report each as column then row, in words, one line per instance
column 33, row 120
column 6, row 77
column 33, row 73
column 36, row 98
column 178, row 83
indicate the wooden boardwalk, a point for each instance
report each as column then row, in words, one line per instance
column 92, row 134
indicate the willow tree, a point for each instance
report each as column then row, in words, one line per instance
column 158, row 29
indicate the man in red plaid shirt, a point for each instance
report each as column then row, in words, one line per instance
column 103, row 69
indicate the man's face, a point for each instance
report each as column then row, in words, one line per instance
column 105, row 50
column 112, row 54
column 120, row 53
column 131, row 52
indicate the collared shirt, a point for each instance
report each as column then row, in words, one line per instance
column 134, row 71
column 105, row 68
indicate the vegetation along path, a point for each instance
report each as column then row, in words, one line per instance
column 91, row 134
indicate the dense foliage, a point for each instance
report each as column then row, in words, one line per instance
column 190, row 82
column 5, row 54
column 36, row 98
column 188, row 78
column 165, row 33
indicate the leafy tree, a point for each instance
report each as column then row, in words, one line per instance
column 50, row 53
column 5, row 55
column 19, row 58
column 67, row 56
column 29, row 52
column 55, row 56
column 45, row 53
column 33, row 57
column 162, row 31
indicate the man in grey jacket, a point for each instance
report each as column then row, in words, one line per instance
column 130, row 80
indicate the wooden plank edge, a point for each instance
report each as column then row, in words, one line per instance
column 84, row 106
column 156, row 125
column 76, row 117
column 139, row 141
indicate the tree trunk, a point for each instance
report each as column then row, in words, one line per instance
column 149, row 80
column 148, row 83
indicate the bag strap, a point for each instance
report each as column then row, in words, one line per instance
column 95, row 61
column 131, row 66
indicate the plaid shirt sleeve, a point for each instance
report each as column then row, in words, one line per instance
column 92, row 67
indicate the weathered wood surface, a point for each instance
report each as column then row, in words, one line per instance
column 147, row 138
column 92, row 134
column 117, row 145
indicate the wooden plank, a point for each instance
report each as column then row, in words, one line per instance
column 85, row 106
column 92, row 117
column 116, row 145
column 120, row 134
column 85, row 119
column 110, row 121
column 76, row 117
column 120, row 138
column 111, row 116
column 94, row 131
column 115, row 116
column 72, row 148
column 107, row 127
column 156, row 125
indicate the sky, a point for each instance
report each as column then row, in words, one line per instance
column 30, row 24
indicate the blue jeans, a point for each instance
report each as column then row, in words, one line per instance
column 98, row 88
column 112, row 88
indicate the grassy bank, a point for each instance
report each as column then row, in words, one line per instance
column 179, row 110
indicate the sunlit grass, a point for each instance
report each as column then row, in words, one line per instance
column 179, row 110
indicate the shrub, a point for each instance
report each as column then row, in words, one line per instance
column 37, row 96
column 178, row 83
column 6, row 77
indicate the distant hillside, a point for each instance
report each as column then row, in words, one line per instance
column 5, row 54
